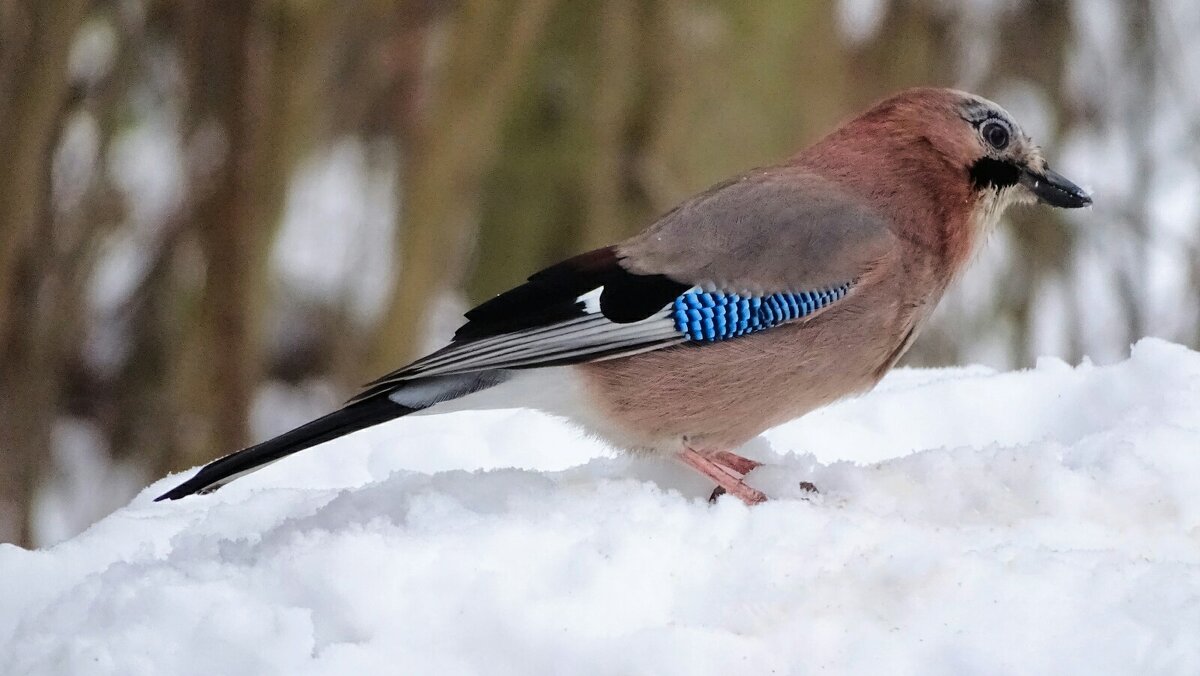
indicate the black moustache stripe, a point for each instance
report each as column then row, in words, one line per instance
column 990, row 173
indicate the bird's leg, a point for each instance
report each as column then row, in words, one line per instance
column 725, row 477
column 743, row 466
column 735, row 462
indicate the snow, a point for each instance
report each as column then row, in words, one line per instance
column 969, row 521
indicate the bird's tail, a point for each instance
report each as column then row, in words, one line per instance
column 351, row 418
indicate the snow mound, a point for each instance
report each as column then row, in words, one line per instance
column 1044, row 521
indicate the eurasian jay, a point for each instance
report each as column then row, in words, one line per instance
column 762, row 298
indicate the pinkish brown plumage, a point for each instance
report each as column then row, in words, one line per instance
column 901, row 169
column 755, row 302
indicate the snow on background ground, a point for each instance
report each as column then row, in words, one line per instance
column 1045, row 521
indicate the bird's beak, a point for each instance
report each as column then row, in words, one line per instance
column 1051, row 187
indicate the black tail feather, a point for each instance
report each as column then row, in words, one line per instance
column 354, row 417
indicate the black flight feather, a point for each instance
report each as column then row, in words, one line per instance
column 352, row 418
column 552, row 296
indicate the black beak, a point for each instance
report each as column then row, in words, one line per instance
column 1054, row 189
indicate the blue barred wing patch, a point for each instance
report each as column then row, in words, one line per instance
column 711, row 316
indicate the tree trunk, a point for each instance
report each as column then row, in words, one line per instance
column 454, row 143
column 35, row 38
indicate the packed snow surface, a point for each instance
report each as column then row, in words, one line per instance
column 968, row 522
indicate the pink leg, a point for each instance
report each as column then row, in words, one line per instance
column 725, row 477
column 735, row 462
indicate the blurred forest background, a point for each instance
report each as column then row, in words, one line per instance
column 217, row 218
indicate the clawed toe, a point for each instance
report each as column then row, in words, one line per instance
column 806, row 486
column 728, row 470
column 716, row 466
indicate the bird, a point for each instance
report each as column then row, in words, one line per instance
column 767, row 296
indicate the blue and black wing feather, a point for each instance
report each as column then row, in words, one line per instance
column 590, row 308
column 711, row 316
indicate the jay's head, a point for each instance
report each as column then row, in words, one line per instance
column 1004, row 162
column 934, row 135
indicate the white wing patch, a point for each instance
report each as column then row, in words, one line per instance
column 591, row 300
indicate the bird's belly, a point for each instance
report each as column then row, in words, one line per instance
column 720, row 396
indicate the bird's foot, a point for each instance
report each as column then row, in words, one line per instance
column 806, row 486
column 727, row 470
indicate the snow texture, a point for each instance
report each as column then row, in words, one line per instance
column 969, row 522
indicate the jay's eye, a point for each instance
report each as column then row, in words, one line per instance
column 995, row 134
